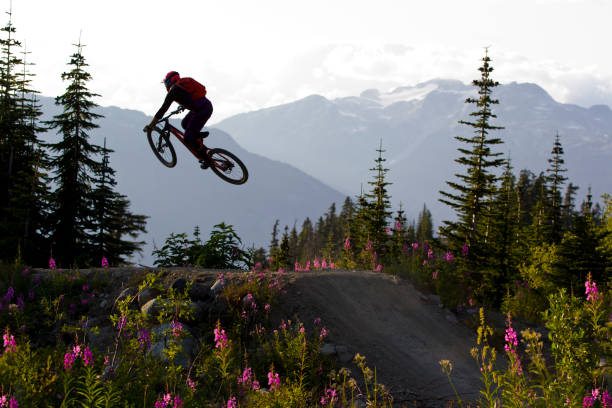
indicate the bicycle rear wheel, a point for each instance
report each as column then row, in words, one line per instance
column 163, row 149
column 227, row 166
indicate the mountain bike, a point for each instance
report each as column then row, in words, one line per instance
column 223, row 163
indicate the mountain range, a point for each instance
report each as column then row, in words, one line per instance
column 336, row 140
column 304, row 155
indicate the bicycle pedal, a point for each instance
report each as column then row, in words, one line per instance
column 204, row 135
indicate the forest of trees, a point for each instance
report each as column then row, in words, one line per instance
column 509, row 230
column 57, row 200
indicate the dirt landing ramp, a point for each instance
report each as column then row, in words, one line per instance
column 400, row 331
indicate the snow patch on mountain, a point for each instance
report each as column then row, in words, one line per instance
column 404, row 94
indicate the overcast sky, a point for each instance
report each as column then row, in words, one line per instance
column 254, row 54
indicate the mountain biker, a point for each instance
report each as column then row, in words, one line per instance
column 190, row 94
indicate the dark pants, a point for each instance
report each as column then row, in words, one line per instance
column 195, row 120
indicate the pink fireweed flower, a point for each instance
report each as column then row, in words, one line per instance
column 388, row 230
column 104, row 262
column 87, row 357
column 588, row 401
column 347, row 242
column 591, row 290
column 378, row 268
column 267, row 307
column 69, row 359
column 10, row 344
column 449, row 256
column 398, row 226
column 273, row 381
column 52, row 263
column 25, row 272
column 511, row 339
column 323, row 333
column 415, row 245
column 317, row 321
column 434, row 275
column 324, row 264
column 307, row 266
column 220, row 338
column 430, row 253
column 471, row 302
column 464, row 250
column 231, row 403
column 296, row 267
column 316, row 263
column 191, row 384
column 424, row 262
column 283, row 325
column 13, row 403
column 606, row 400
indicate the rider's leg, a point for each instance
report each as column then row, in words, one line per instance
column 195, row 121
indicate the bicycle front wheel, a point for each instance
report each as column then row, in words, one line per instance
column 163, row 149
column 227, row 166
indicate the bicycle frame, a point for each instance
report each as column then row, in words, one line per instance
column 176, row 132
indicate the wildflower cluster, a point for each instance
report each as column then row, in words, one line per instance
column 78, row 351
column 167, row 401
column 7, row 402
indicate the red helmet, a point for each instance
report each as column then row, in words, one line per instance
column 171, row 78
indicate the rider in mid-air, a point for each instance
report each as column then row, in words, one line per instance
column 192, row 95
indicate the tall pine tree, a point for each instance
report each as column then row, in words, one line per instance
column 469, row 199
column 556, row 179
column 379, row 207
column 75, row 164
column 23, row 186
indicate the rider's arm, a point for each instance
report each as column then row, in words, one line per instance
column 160, row 113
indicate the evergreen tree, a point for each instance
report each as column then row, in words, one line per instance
column 24, row 192
column 556, row 179
column 379, row 207
column 477, row 183
column 504, row 232
column 281, row 260
column 345, row 219
column 113, row 220
column 568, row 210
column 306, row 242
column 332, row 243
column 274, row 241
column 424, row 230
column 582, row 251
column 400, row 235
column 293, row 244
column 75, row 165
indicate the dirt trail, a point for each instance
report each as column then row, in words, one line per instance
column 400, row 331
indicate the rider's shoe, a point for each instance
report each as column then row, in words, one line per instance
column 204, row 162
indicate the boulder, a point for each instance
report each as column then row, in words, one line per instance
column 163, row 338
column 199, row 292
column 179, row 285
column 151, row 309
column 146, row 295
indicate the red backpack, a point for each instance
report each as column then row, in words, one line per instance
column 193, row 87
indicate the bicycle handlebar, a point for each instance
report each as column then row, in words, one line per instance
column 174, row 112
